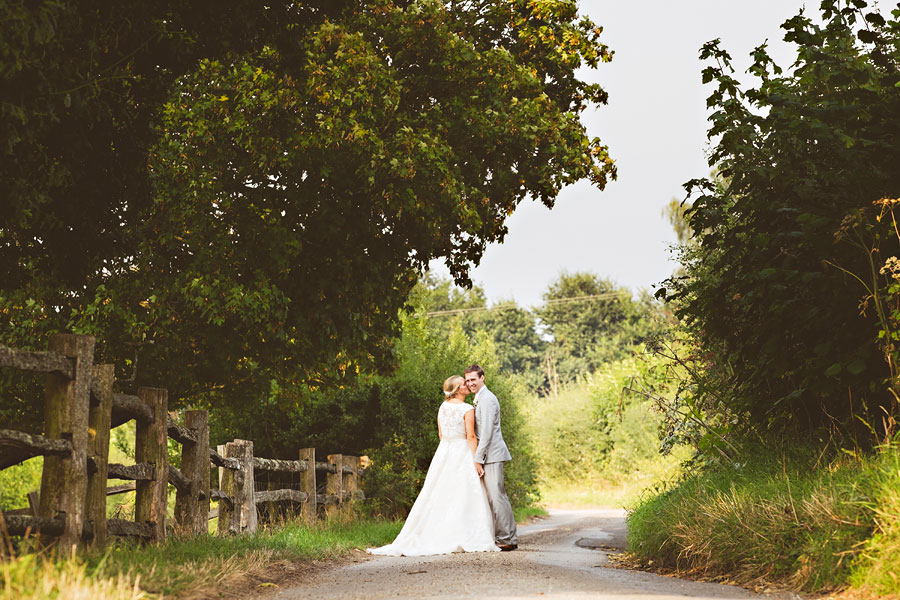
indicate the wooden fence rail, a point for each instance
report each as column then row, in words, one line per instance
column 80, row 408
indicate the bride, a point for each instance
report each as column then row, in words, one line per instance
column 451, row 513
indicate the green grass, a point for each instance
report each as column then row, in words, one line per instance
column 593, row 494
column 877, row 567
column 524, row 513
column 792, row 521
column 182, row 565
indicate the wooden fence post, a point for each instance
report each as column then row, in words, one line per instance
column 334, row 485
column 351, row 480
column 66, row 407
column 239, row 486
column 228, row 485
column 308, row 485
column 98, row 450
column 151, row 446
column 248, row 489
column 192, row 505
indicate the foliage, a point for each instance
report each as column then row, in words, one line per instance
column 17, row 481
column 595, row 442
column 675, row 213
column 517, row 344
column 592, row 321
column 433, row 293
column 519, row 348
column 812, row 521
column 771, row 300
column 82, row 85
column 250, row 196
column 876, row 234
column 586, row 332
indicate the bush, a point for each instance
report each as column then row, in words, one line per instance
column 595, row 435
column 777, row 276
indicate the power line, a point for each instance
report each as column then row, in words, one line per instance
column 462, row 311
column 499, row 307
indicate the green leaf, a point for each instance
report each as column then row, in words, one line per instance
column 857, row 366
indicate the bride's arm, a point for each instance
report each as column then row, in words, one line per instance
column 440, row 433
column 469, row 418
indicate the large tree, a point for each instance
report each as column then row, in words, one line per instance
column 593, row 321
column 252, row 194
column 512, row 329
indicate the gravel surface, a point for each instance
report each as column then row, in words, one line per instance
column 562, row 557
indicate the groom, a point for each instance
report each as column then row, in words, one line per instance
column 490, row 456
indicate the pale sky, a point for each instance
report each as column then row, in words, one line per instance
column 655, row 126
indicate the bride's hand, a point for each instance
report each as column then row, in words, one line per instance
column 479, row 469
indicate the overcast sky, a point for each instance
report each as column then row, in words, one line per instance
column 655, row 127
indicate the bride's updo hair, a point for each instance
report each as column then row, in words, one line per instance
column 452, row 385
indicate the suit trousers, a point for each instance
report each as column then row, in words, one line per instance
column 504, row 521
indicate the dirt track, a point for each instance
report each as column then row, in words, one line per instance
column 563, row 557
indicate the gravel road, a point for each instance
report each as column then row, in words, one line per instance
column 561, row 558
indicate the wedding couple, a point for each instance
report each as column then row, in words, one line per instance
column 463, row 505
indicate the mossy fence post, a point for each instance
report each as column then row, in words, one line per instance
column 66, row 417
column 308, row 510
column 192, row 504
column 98, row 451
column 350, row 481
column 334, row 485
column 238, row 484
column 151, row 447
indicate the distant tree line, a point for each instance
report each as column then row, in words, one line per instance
column 585, row 321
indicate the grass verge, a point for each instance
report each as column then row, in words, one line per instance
column 796, row 522
column 524, row 513
column 181, row 567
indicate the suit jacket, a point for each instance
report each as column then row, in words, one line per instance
column 491, row 447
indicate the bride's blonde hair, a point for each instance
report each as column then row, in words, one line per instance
column 452, row 385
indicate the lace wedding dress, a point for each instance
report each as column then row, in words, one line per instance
column 451, row 513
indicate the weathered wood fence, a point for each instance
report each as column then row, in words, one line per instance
column 80, row 408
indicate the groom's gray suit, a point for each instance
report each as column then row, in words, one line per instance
column 493, row 453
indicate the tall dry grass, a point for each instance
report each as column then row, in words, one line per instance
column 877, row 567
column 36, row 577
column 181, row 567
column 813, row 527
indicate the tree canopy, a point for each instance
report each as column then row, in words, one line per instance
column 252, row 193
column 593, row 321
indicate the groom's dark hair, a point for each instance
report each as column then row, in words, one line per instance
column 474, row 369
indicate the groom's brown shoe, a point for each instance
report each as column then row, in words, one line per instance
column 507, row 547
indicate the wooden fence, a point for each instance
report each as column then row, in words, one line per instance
column 80, row 408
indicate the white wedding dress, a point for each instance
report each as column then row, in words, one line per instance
column 451, row 513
